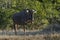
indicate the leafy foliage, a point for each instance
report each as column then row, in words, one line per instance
column 48, row 12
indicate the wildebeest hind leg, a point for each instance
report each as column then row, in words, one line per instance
column 15, row 29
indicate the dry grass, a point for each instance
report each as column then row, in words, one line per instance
column 30, row 37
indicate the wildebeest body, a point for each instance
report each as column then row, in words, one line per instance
column 22, row 17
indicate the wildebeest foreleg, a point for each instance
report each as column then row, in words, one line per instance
column 24, row 28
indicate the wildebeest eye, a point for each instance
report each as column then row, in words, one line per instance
column 27, row 11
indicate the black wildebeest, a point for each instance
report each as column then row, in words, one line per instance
column 22, row 18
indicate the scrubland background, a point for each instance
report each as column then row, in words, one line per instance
column 46, row 19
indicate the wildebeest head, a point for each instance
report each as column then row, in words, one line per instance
column 30, row 14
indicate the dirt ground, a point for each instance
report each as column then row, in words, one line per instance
column 31, row 37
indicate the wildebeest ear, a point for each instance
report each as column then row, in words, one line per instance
column 27, row 11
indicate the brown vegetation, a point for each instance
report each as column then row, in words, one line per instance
column 30, row 37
